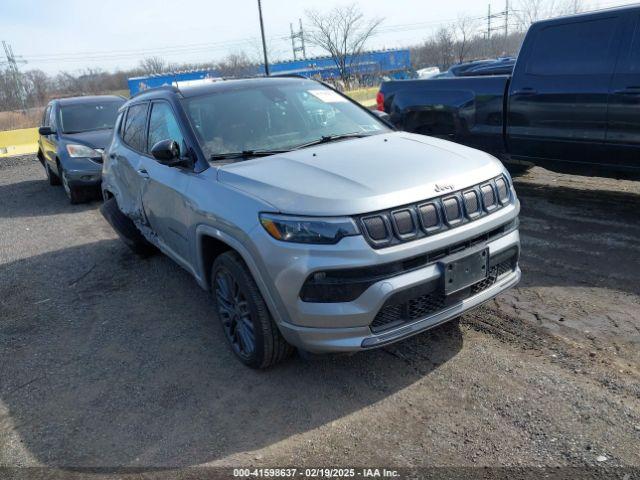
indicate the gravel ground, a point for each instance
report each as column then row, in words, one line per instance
column 108, row 360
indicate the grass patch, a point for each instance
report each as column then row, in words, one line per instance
column 364, row 96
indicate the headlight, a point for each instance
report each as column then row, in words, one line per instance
column 308, row 229
column 77, row 151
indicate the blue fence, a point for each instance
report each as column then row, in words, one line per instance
column 370, row 66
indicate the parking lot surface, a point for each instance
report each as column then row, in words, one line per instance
column 110, row 360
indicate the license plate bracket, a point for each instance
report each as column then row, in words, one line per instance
column 464, row 270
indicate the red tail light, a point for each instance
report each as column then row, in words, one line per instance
column 380, row 101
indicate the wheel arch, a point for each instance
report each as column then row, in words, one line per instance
column 211, row 242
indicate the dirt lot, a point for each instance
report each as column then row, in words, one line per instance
column 109, row 360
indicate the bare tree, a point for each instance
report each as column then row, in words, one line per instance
column 529, row 11
column 465, row 29
column 37, row 86
column 445, row 41
column 155, row 65
column 236, row 65
column 342, row 33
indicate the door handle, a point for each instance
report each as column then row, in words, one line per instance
column 525, row 91
column 143, row 172
column 112, row 156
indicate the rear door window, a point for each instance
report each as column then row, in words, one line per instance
column 576, row 48
column 134, row 127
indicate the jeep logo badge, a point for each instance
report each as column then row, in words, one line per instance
column 443, row 188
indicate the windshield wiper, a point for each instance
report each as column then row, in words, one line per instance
column 265, row 153
column 332, row 138
column 245, row 154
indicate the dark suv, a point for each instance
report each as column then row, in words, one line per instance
column 73, row 134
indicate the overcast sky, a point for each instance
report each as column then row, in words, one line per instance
column 73, row 34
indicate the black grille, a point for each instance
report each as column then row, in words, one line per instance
column 388, row 317
column 404, row 222
column 410, row 222
column 471, row 203
column 494, row 273
column 400, row 308
column 376, row 227
column 503, row 191
column 452, row 210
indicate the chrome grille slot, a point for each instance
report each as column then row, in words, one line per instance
column 376, row 228
column 452, row 211
column 403, row 221
column 488, row 197
column 471, row 203
column 503, row 190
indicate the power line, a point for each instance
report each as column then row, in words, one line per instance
column 196, row 47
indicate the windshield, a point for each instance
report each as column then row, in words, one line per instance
column 274, row 118
column 88, row 116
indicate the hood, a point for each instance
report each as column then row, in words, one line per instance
column 93, row 138
column 361, row 175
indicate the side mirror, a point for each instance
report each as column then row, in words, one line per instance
column 45, row 131
column 167, row 152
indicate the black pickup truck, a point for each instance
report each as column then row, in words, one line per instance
column 571, row 105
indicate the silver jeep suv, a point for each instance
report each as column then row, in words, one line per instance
column 311, row 220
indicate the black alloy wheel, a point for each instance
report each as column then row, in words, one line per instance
column 235, row 315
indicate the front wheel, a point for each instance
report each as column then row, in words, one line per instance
column 246, row 321
column 74, row 194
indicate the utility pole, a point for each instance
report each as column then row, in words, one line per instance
column 299, row 35
column 489, row 31
column 304, row 52
column 506, row 20
column 264, row 43
column 14, row 73
column 505, row 27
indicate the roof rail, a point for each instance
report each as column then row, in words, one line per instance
column 172, row 88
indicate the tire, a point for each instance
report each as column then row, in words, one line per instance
column 74, row 194
column 52, row 178
column 245, row 319
column 126, row 229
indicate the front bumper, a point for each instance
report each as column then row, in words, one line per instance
column 346, row 326
column 362, row 338
column 83, row 172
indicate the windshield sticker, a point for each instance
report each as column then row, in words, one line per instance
column 327, row 96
